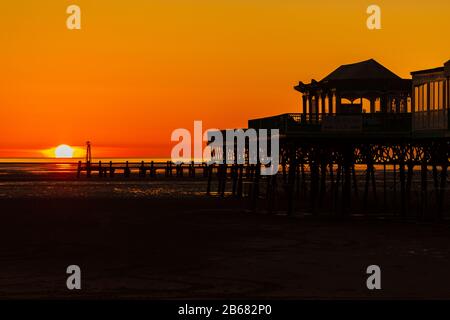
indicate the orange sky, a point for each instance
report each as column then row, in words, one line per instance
column 139, row 69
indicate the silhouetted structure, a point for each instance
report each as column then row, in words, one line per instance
column 384, row 91
column 363, row 114
column 431, row 94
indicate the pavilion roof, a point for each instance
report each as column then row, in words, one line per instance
column 359, row 78
column 369, row 69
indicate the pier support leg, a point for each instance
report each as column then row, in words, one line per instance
column 323, row 181
column 208, row 188
column 290, row 185
column 219, row 179
column 442, row 190
column 331, row 177
column 271, row 192
column 346, row 191
column 240, row 182
column 402, row 189
column 384, row 187
column 234, row 177
column 409, row 178
column 314, row 169
column 303, row 183
column 366, row 187
column 395, row 186
column 436, row 184
column 256, row 186
column 355, row 182
column 283, row 166
column 224, row 180
column 423, row 189
column 297, row 180
column 336, row 187
column 374, row 184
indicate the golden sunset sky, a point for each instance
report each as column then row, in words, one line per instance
column 139, row 69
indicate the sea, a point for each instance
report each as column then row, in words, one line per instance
column 57, row 178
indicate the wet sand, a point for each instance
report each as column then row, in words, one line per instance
column 200, row 247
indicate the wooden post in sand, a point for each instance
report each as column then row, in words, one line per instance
column 209, row 168
column 179, row 170
column 142, row 170
column 100, row 171
column 127, row 170
column 192, row 169
column 205, row 170
column 111, row 170
column 88, row 169
column 79, row 169
column 152, row 169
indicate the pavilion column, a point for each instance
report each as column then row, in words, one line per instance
column 304, row 104
column 448, row 102
column 372, row 105
column 317, row 107
column 397, row 104
column 338, row 101
column 447, row 94
column 309, row 116
column 330, row 103
column 383, row 103
column 405, row 101
column 429, row 123
column 323, row 104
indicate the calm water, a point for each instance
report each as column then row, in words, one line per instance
column 49, row 178
column 55, row 178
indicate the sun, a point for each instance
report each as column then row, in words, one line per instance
column 64, row 151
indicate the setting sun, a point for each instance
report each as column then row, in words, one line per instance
column 63, row 151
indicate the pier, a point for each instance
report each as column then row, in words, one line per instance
column 366, row 141
column 141, row 169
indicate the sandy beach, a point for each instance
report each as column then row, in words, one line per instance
column 207, row 247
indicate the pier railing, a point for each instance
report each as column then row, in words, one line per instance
column 365, row 122
column 152, row 168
